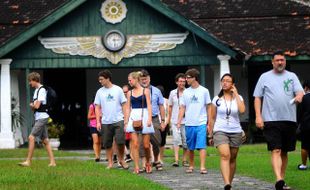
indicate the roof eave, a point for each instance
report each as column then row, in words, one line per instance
column 39, row 26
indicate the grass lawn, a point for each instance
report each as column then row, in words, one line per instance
column 69, row 174
column 254, row 161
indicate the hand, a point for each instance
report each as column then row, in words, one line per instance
column 125, row 126
column 211, row 143
column 149, row 123
column 234, row 90
column 98, row 126
column 162, row 126
column 259, row 122
column 179, row 125
column 298, row 99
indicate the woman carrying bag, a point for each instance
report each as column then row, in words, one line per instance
column 138, row 119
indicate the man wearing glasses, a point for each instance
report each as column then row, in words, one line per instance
column 196, row 104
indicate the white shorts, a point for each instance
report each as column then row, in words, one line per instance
column 179, row 137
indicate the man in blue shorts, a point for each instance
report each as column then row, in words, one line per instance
column 195, row 103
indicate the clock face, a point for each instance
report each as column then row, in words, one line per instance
column 114, row 40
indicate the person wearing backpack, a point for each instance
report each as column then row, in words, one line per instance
column 39, row 130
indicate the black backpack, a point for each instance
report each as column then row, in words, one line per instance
column 51, row 99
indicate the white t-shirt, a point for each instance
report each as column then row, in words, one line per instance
column 174, row 101
column 195, row 101
column 111, row 100
column 233, row 125
column 42, row 98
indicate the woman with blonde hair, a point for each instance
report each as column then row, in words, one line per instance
column 138, row 119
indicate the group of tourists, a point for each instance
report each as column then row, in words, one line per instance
column 135, row 116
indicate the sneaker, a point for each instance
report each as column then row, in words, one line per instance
column 279, row 185
column 127, row 160
column 302, row 167
column 285, row 187
column 97, row 160
column 114, row 159
column 119, row 165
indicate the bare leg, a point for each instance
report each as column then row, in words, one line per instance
column 304, row 156
column 276, row 162
column 233, row 163
column 202, row 154
column 49, row 152
column 191, row 159
column 185, row 154
column 121, row 150
column 176, row 153
column 224, row 151
column 30, row 148
column 161, row 154
column 146, row 145
column 109, row 153
column 96, row 145
column 284, row 158
column 135, row 149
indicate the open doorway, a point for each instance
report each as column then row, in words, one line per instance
column 70, row 109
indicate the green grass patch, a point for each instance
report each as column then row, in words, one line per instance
column 69, row 174
column 38, row 152
column 254, row 161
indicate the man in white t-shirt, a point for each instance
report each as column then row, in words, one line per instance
column 196, row 104
column 179, row 138
column 41, row 119
column 110, row 108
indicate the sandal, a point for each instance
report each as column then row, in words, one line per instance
column 158, row 166
column 148, row 168
column 189, row 170
column 203, row 171
column 124, row 166
column 142, row 170
column 185, row 164
column 175, row 164
column 136, row 171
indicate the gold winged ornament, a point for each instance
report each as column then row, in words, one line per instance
column 93, row 46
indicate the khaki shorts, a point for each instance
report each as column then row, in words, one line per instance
column 39, row 129
column 111, row 131
column 233, row 139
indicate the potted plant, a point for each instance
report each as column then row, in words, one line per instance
column 55, row 130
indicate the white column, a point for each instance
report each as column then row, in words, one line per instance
column 224, row 64
column 6, row 134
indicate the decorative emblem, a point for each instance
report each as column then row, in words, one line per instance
column 93, row 45
column 113, row 11
column 114, row 40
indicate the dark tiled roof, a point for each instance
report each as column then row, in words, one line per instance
column 254, row 27
column 17, row 15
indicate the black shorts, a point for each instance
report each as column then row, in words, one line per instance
column 111, row 131
column 305, row 140
column 163, row 135
column 280, row 135
column 93, row 130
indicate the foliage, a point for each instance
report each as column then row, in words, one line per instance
column 55, row 130
column 17, row 117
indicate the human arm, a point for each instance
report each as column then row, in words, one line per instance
column 149, row 107
column 240, row 102
column 181, row 115
column 258, row 116
column 127, row 109
column 91, row 112
column 98, row 116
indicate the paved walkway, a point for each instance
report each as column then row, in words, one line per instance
column 176, row 178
